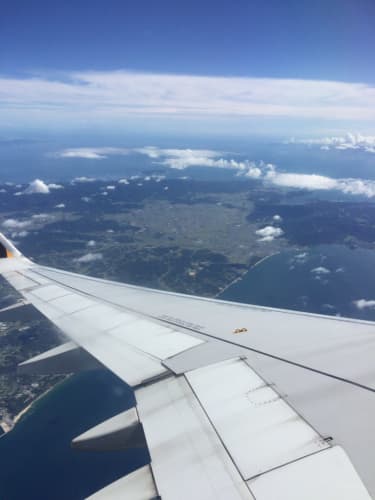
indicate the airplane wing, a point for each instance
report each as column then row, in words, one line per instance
column 235, row 401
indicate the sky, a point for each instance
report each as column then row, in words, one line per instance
column 251, row 66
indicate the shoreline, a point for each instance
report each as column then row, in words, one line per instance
column 10, row 423
column 239, row 278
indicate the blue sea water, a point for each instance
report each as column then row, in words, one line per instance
column 326, row 279
column 36, row 459
column 37, row 462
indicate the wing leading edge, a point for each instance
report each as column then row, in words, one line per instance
column 232, row 399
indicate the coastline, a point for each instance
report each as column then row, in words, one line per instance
column 10, row 423
column 239, row 278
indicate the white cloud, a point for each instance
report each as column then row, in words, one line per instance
column 277, row 218
column 86, row 199
column 301, row 256
column 349, row 141
column 37, row 187
column 320, row 271
column 19, row 234
column 173, row 158
column 269, row 233
column 89, row 257
column 361, row 187
column 302, row 181
column 364, row 304
column 119, row 94
column 91, row 243
column 60, row 205
column 110, row 188
column 252, row 171
column 184, row 158
column 41, row 216
column 16, row 224
column 84, row 179
column 91, row 153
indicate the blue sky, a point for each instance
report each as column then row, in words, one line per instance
column 277, row 66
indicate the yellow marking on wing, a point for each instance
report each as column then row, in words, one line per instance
column 240, row 330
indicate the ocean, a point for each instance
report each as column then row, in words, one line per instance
column 36, row 459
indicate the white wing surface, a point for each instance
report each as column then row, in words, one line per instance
column 235, row 401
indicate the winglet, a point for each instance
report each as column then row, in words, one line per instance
column 7, row 249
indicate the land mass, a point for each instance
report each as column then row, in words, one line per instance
column 181, row 235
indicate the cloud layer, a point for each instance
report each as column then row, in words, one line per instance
column 268, row 173
column 346, row 142
column 117, row 94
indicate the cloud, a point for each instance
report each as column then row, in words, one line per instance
column 19, row 234
column 91, row 243
column 364, row 304
column 19, row 227
column 277, row 218
column 301, row 181
column 89, row 257
column 301, row 257
column 181, row 159
column 42, row 217
column 83, row 179
column 269, row 233
column 90, row 153
column 298, row 260
column 347, row 142
column 173, row 158
column 119, row 94
column 16, row 224
column 319, row 271
column 361, row 187
column 37, row 187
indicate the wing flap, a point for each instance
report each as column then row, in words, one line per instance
column 327, row 475
column 139, row 485
column 249, row 415
column 188, row 458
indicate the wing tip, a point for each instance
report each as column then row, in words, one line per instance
column 7, row 249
